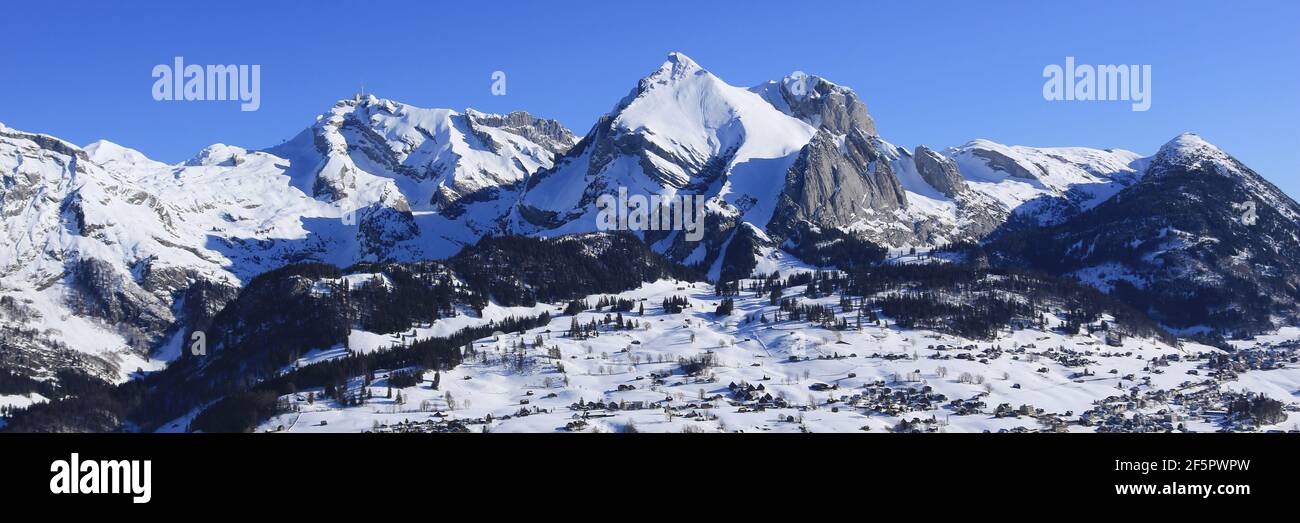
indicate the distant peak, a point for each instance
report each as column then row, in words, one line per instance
column 680, row 59
column 363, row 100
column 114, row 156
column 102, row 149
column 218, row 154
column 811, row 84
column 677, row 66
column 100, row 144
column 363, row 106
column 982, row 143
column 1188, row 140
column 677, row 70
column 1189, row 148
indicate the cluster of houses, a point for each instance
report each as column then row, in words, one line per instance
column 1049, row 422
column 1068, row 357
column 442, row 422
column 432, row 425
column 1227, row 365
column 588, row 408
column 1120, row 417
column 943, row 352
column 930, row 424
column 968, row 407
column 1171, row 410
column 878, row 398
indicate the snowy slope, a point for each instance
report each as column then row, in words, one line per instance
column 682, row 130
column 816, row 380
column 369, row 149
column 1047, row 183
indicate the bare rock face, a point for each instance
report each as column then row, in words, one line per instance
column 1001, row 162
column 939, row 171
column 824, row 105
column 835, row 184
column 549, row 134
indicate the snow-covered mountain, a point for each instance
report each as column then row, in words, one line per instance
column 682, row 130
column 418, row 183
column 93, row 258
column 108, row 258
column 923, row 197
column 368, row 150
column 1201, row 243
column 798, row 151
column 108, row 254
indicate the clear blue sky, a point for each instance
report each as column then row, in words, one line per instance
column 936, row 73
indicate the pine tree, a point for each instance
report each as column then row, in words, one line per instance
column 574, row 330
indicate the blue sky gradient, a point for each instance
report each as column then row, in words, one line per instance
column 936, row 73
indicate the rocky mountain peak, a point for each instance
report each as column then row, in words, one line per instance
column 819, row 102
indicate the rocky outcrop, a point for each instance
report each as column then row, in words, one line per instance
column 820, row 103
column 549, row 134
column 1000, row 162
column 939, row 171
column 836, row 182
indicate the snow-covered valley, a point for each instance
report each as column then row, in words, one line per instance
column 696, row 371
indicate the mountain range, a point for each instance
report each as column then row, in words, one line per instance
column 110, row 260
